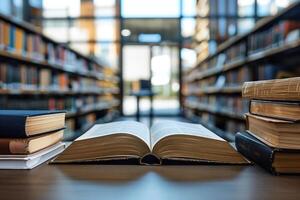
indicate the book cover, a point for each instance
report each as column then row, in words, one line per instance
column 13, row 122
column 260, row 153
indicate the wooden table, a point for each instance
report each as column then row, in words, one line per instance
column 146, row 182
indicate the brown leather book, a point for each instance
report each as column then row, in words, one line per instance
column 29, row 145
column 278, row 89
column 276, row 109
column 275, row 132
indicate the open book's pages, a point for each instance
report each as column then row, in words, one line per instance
column 167, row 140
column 110, row 141
column 172, row 140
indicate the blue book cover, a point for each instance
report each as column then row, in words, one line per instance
column 12, row 38
column 13, row 122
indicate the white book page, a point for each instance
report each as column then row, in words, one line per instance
column 166, row 128
column 128, row 127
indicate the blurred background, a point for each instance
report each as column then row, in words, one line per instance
column 154, row 40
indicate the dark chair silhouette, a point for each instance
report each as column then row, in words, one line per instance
column 145, row 90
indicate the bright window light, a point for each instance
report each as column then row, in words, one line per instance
column 245, row 2
column 150, row 8
column 161, row 70
column 282, row 3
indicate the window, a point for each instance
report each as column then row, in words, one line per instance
column 153, row 8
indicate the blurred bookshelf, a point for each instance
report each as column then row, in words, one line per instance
column 36, row 72
column 212, row 89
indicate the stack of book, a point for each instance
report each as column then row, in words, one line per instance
column 29, row 138
column 273, row 122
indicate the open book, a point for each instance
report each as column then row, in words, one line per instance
column 165, row 141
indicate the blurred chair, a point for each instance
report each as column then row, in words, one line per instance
column 140, row 89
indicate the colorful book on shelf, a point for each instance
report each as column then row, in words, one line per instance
column 276, row 109
column 26, row 123
column 12, row 38
column 19, row 34
column 2, row 45
column 166, row 141
column 30, row 161
column 275, row 160
column 274, row 132
column 6, row 34
column 277, row 89
column 23, row 146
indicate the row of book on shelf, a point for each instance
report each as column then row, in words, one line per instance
column 218, row 103
column 27, row 43
column 283, row 33
column 72, row 104
column 234, row 77
column 227, row 79
column 23, row 77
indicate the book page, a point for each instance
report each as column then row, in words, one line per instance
column 128, row 127
column 166, row 128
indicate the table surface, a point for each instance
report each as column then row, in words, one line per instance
column 146, row 182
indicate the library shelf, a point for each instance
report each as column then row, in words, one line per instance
column 261, row 55
column 38, row 68
column 288, row 12
column 254, row 55
column 39, row 92
column 216, row 90
column 56, row 67
column 216, row 110
column 88, row 109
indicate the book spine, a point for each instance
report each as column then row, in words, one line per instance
column 12, row 126
column 13, row 146
column 277, row 89
column 12, row 32
column 255, row 150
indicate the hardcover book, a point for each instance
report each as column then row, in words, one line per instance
column 166, row 141
column 276, row 109
column 278, row 89
column 29, row 145
column 275, row 160
column 274, row 132
column 25, row 123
